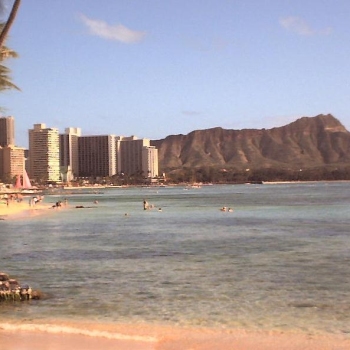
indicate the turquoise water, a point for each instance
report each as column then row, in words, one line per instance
column 279, row 261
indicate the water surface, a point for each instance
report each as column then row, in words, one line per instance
column 280, row 260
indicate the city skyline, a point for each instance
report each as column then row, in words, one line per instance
column 157, row 69
column 14, row 127
column 53, row 156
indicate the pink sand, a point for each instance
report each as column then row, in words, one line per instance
column 149, row 337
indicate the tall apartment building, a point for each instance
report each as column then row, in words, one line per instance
column 11, row 162
column 129, row 150
column 44, row 155
column 97, row 156
column 150, row 161
column 69, row 156
column 7, row 131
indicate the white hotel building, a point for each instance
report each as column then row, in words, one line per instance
column 44, row 154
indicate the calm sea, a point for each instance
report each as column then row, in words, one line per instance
column 279, row 261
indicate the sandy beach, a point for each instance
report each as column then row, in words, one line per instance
column 147, row 337
column 15, row 210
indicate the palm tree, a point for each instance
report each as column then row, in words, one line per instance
column 9, row 22
column 5, row 79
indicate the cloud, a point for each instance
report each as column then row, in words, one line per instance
column 116, row 32
column 301, row 27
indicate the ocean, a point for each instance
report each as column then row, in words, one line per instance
column 278, row 261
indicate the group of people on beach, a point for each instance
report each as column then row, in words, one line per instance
column 8, row 198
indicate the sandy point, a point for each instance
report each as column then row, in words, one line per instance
column 15, row 210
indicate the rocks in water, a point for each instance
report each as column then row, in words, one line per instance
column 11, row 290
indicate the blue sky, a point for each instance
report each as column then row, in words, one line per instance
column 154, row 68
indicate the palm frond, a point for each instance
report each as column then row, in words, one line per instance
column 5, row 79
column 6, row 53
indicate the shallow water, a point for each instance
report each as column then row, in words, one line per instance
column 279, row 261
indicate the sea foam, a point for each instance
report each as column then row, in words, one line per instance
column 59, row 329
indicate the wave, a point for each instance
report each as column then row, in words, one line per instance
column 59, row 329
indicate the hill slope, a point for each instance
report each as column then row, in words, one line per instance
column 307, row 142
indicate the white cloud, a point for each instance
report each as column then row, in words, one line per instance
column 301, row 27
column 116, row 32
column 297, row 25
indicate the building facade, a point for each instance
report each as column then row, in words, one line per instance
column 130, row 155
column 69, row 156
column 11, row 162
column 150, row 162
column 44, row 155
column 7, row 131
column 97, row 156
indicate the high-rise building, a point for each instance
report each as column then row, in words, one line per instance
column 44, row 155
column 7, row 131
column 11, row 162
column 69, row 157
column 150, row 161
column 97, row 156
column 130, row 155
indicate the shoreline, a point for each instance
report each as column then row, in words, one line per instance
column 86, row 336
column 22, row 210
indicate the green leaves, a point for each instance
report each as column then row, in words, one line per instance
column 5, row 73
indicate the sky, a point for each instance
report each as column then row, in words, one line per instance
column 153, row 68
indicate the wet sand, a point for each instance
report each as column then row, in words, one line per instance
column 148, row 337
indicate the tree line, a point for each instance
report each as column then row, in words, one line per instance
column 218, row 176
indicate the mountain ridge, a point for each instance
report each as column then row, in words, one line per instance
column 306, row 142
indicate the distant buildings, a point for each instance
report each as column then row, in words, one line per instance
column 108, row 155
column 150, row 162
column 97, row 156
column 44, row 155
column 54, row 157
column 11, row 162
column 69, row 156
column 137, row 157
column 11, row 157
column 130, row 154
column 7, row 131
